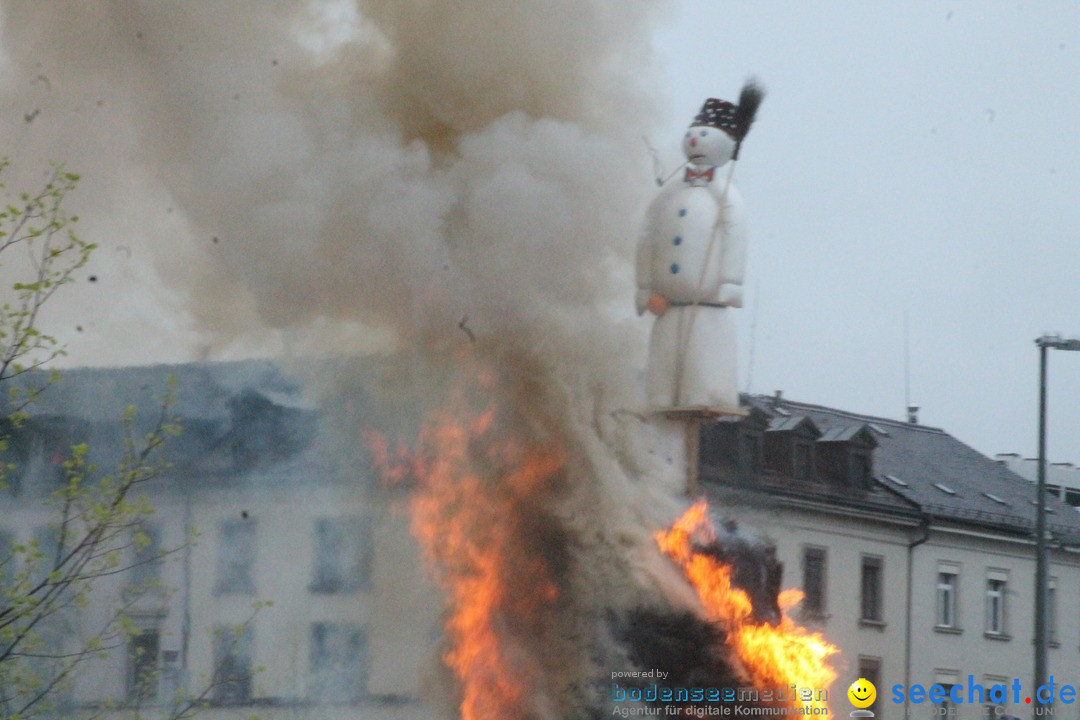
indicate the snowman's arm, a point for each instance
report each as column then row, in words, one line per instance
column 644, row 263
column 733, row 258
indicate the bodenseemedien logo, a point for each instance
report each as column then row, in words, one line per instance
column 862, row 695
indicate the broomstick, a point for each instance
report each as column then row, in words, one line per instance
column 750, row 98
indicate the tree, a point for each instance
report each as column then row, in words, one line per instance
column 97, row 527
column 38, row 223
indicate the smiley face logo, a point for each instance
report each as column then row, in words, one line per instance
column 862, row 693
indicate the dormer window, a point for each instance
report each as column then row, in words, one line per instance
column 803, row 462
column 846, row 456
column 789, row 448
column 862, row 470
column 750, row 453
column 731, row 448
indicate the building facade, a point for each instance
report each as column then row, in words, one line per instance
column 915, row 552
column 279, row 578
column 273, row 576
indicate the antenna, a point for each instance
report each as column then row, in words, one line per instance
column 912, row 410
column 753, row 336
column 907, row 364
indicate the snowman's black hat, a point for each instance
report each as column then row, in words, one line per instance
column 719, row 114
column 733, row 119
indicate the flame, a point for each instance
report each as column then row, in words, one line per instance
column 775, row 656
column 472, row 511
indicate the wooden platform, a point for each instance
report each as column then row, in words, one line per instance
column 696, row 412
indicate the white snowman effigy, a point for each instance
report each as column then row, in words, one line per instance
column 691, row 258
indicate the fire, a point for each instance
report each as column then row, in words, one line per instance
column 485, row 477
column 473, row 512
column 775, row 656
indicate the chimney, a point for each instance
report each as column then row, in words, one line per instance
column 913, row 414
column 778, row 395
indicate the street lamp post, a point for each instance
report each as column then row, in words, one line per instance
column 1042, row 592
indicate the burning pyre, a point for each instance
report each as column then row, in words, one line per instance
column 480, row 508
column 774, row 655
column 493, row 499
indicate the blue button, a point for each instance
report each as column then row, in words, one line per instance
column 674, row 268
column 682, row 213
column 677, row 240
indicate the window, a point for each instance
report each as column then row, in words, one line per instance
column 814, row 581
column 343, row 555
column 861, row 471
column 948, row 707
column 802, row 462
column 947, row 679
column 232, row 665
column 995, row 605
column 142, row 666
column 751, row 453
column 338, row 663
column 946, row 596
column 870, row 669
column 51, row 656
column 871, row 589
column 145, row 568
column 995, row 697
column 236, row 557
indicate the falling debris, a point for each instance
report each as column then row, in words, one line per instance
column 462, row 324
column 29, row 117
column 44, row 79
column 92, row 278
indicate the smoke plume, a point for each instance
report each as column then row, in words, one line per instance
column 324, row 168
column 328, row 177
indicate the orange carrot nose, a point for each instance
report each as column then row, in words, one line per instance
column 693, row 142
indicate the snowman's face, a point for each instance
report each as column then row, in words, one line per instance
column 708, row 145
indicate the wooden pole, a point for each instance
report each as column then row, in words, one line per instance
column 693, row 456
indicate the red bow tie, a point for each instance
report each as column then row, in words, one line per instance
column 692, row 174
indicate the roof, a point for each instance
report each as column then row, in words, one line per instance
column 847, row 433
column 240, row 422
column 942, row 476
column 795, row 422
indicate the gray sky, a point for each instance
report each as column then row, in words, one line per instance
column 914, row 158
column 910, row 157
